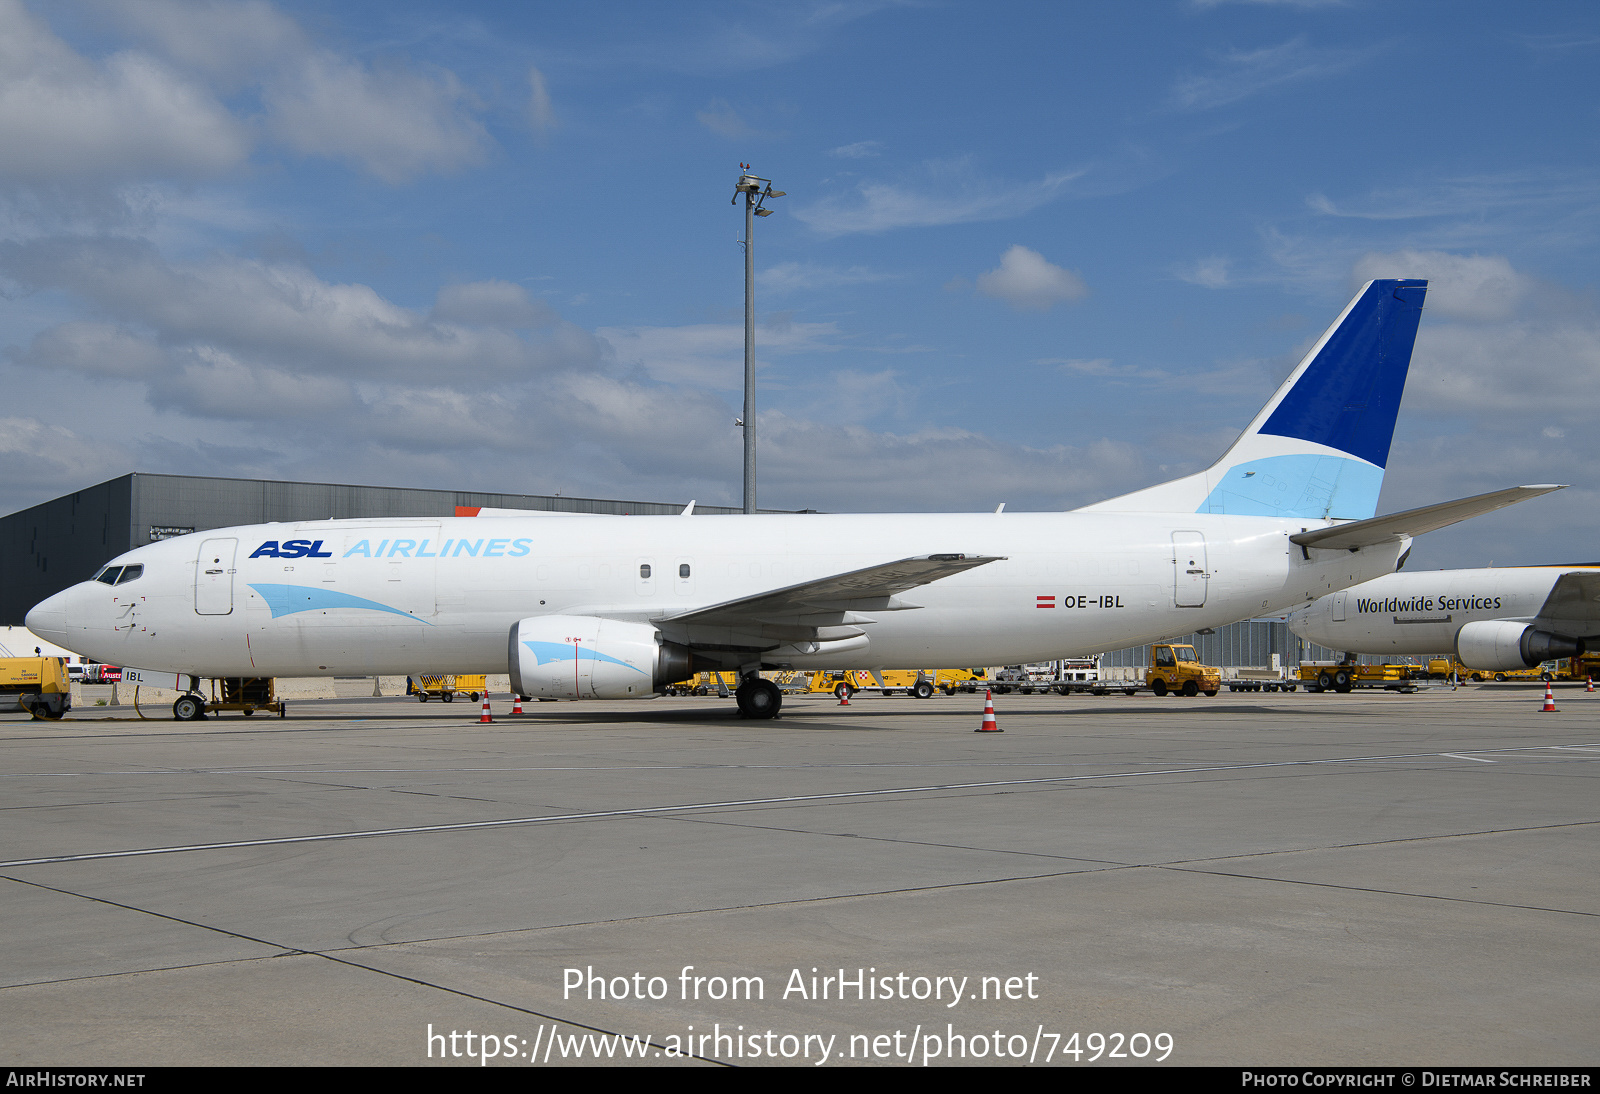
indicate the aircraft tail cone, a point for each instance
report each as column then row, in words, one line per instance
column 486, row 719
column 1549, row 700
column 989, row 724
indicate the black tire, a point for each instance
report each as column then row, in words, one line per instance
column 474, row 696
column 1499, row 677
column 449, row 697
column 189, row 708
column 1325, row 680
column 843, row 690
column 1190, row 689
column 948, row 690
column 422, row 697
column 249, row 711
column 923, row 690
column 1211, row 693
column 1341, row 680
column 759, row 699
column 1159, row 686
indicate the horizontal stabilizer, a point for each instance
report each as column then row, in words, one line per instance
column 1414, row 522
column 873, row 583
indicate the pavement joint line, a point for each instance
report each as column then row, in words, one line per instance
column 1379, row 892
column 1595, row 747
column 295, row 951
column 692, row 807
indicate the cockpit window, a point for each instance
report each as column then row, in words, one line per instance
column 109, row 575
column 130, row 573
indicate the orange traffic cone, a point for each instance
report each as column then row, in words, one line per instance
column 485, row 719
column 844, row 697
column 989, row 724
column 516, row 707
column 1549, row 700
column 1591, row 683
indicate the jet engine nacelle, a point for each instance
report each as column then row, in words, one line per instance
column 1500, row 645
column 586, row 657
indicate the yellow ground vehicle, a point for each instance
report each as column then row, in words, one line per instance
column 38, row 685
column 726, row 683
column 919, row 683
column 1342, row 676
column 1175, row 667
column 447, row 687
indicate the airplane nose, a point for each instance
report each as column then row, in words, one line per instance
column 48, row 619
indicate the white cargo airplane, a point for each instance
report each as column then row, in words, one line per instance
column 602, row 607
column 1495, row 620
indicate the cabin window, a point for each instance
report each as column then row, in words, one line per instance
column 644, row 569
column 108, row 576
column 683, row 569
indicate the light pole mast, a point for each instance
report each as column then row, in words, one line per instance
column 754, row 194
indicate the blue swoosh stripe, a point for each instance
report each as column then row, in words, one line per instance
column 289, row 599
column 546, row 652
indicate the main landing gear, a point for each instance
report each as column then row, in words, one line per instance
column 758, row 698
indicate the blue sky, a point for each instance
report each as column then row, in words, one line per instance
column 1030, row 253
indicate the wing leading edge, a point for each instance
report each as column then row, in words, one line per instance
column 872, row 588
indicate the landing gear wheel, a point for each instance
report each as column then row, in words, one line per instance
column 758, row 699
column 1190, row 689
column 1159, row 686
column 923, row 690
column 189, row 708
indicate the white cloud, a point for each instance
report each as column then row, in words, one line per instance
column 491, row 303
column 540, row 113
column 1240, row 74
column 721, row 118
column 282, row 315
column 801, row 276
column 1026, row 281
column 1459, row 286
column 857, row 151
column 951, row 193
column 63, row 117
column 710, row 355
column 226, row 41
column 1211, row 273
column 393, row 122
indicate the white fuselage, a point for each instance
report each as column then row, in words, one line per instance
column 1423, row 612
column 440, row 595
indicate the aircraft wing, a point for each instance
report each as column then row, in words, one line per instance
column 870, row 589
column 1573, row 605
column 1414, row 522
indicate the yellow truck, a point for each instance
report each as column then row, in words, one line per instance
column 38, row 685
column 1176, row 668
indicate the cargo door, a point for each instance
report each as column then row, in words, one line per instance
column 1190, row 572
column 213, row 577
